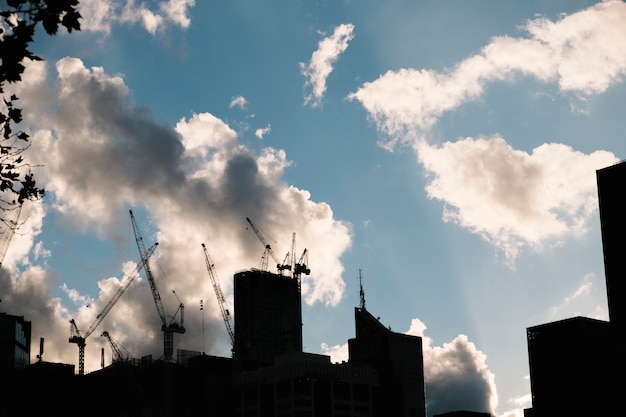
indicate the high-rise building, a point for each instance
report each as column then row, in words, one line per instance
column 577, row 365
column 15, row 333
column 572, row 368
column 612, row 204
column 398, row 360
column 268, row 318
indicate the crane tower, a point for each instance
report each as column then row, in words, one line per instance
column 79, row 338
column 168, row 328
column 220, row 296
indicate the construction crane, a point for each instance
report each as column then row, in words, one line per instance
column 281, row 266
column 301, row 267
column 220, row 296
column 168, row 328
column 118, row 354
column 79, row 338
column 7, row 236
column 122, row 355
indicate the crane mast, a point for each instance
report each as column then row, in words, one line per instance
column 168, row 328
column 75, row 334
column 220, row 296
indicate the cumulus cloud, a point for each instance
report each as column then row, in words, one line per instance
column 509, row 197
column 204, row 133
column 456, row 375
column 583, row 52
column 549, row 193
column 259, row 133
column 19, row 229
column 321, row 64
column 517, row 406
column 177, row 11
column 100, row 155
column 100, row 16
column 337, row 353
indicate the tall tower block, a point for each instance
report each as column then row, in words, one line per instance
column 268, row 318
column 612, row 204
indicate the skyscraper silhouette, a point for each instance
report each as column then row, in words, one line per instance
column 612, row 205
column 577, row 365
column 268, row 318
column 398, row 360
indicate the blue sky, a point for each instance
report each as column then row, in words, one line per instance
column 447, row 150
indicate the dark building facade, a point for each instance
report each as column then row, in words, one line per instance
column 268, row 318
column 577, row 365
column 201, row 387
column 572, row 368
column 273, row 377
column 612, row 206
column 306, row 385
column 15, row 335
column 398, row 361
column 463, row 413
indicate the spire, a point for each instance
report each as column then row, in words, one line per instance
column 361, row 292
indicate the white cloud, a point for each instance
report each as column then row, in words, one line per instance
column 456, row 375
column 417, row 328
column 75, row 296
column 177, row 11
column 584, row 52
column 511, row 198
column 321, row 64
column 204, row 133
column 259, row 133
column 518, row 405
column 101, row 15
column 589, row 47
column 238, row 101
column 100, row 154
column 26, row 226
column 98, row 15
column 586, row 300
column 337, row 353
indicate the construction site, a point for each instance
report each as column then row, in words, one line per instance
column 268, row 373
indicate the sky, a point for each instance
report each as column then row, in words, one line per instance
column 443, row 154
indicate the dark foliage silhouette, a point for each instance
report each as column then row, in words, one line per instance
column 18, row 21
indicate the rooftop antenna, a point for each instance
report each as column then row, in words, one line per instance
column 361, row 292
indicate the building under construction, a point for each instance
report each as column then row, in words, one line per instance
column 267, row 375
column 268, row 318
